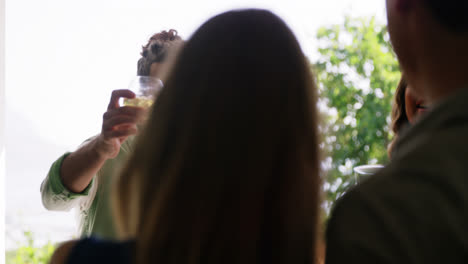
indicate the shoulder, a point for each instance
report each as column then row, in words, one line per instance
column 92, row 250
column 360, row 228
column 349, row 212
column 371, row 221
column 394, row 214
column 62, row 252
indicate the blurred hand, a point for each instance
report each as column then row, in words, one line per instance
column 118, row 124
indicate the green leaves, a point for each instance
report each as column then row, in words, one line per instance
column 29, row 254
column 357, row 74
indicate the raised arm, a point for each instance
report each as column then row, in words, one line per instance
column 79, row 168
column 71, row 175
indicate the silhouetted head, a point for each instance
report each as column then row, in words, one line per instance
column 227, row 169
column 155, row 52
column 430, row 39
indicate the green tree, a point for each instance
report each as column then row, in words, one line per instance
column 357, row 74
column 30, row 254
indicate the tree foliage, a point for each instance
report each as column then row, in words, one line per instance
column 29, row 253
column 357, row 74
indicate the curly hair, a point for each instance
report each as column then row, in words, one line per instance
column 156, row 50
column 399, row 117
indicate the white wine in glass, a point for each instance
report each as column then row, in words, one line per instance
column 141, row 101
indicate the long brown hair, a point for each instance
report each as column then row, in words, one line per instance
column 399, row 117
column 227, row 169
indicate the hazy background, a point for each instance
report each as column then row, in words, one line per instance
column 63, row 59
column 2, row 120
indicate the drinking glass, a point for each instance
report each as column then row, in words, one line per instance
column 364, row 171
column 145, row 89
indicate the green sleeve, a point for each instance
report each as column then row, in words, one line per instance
column 56, row 184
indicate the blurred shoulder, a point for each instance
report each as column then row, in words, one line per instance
column 62, row 252
column 93, row 250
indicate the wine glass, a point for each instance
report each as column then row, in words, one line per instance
column 145, row 89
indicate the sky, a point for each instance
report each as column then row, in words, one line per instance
column 63, row 59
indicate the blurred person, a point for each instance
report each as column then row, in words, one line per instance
column 406, row 109
column 414, row 210
column 227, row 169
column 81, row 179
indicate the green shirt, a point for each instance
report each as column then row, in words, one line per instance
column 93, row 204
